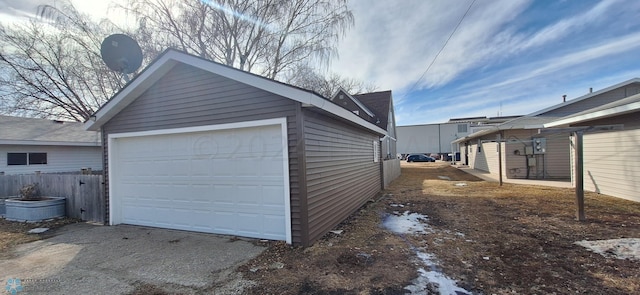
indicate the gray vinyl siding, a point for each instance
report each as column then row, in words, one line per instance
column 341, row 172
column 595, row 101
column 59, row 158
column 187, row 96
column 611, row 163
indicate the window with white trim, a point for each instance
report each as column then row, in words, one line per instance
column 17, row 159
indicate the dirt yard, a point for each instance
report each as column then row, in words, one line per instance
column 513, row 239
column 14, row 233
column 487, row 239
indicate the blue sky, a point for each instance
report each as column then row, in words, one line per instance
column 508, row 57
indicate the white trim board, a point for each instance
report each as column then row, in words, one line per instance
column 282, row 122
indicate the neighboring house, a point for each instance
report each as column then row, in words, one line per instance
column 610, row 158
column 527, row 154
column 437, row 138
column 194, row 145
column 381, row 103
column 30, row 146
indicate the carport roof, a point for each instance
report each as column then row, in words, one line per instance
column 524, row 122
column 171, row 57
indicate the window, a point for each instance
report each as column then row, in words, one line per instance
column 16, row 159
column 26, row 159
column 37, row 158
column 462, row 128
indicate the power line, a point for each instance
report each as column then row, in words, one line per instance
column 442, row 48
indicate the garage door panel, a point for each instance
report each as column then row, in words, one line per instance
column 219, row 181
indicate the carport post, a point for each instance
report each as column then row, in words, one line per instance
column 499, row 141
column 578, row 165
column 579, row 171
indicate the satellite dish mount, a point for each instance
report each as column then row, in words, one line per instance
column 121, row 54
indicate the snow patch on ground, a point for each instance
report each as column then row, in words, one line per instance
column 407, row 223
column 616, row 248
column 431, row 279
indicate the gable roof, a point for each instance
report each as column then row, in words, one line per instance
column 586, row 96
column 171, row 57
column 379, row 103
column 620, row 107
column 357, row 102
column 30, row 131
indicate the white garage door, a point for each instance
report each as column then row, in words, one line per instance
column 227, row 180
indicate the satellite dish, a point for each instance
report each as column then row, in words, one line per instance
column 121, row 53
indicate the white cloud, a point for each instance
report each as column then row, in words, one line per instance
column 393, row 43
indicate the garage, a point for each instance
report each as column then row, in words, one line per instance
column 191, row 144
column 224, row 179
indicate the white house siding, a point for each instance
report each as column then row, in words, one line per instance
column 490, row 153
column 611, row 165
column 59, row 158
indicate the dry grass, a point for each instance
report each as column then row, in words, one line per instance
column 514, row 239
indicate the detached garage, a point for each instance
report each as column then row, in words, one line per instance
column 194, row 145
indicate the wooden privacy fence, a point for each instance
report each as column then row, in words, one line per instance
column 84, row 193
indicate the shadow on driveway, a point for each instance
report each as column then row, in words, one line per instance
column 90, row 259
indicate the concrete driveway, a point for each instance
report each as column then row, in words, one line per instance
column 92, row 259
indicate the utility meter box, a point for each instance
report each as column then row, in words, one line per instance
column 528, row 150
column 539, row 145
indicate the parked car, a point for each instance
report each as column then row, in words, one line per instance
column 420, row 158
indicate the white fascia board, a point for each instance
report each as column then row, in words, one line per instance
column 156, row 70
column 533, row 126
column 615, row 111
column 275, row 87
column 225, row 126
column 54, row 143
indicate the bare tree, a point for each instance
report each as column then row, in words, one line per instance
column 54, row 69
column 327, row 85
column 267, row 37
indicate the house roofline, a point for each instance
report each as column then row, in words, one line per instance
column 601, row 114
column 356, row 101
column 171, row 57
column 586, row 96
column 57, row 143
